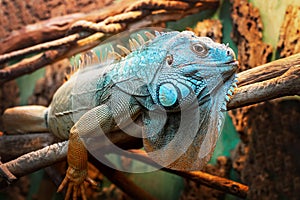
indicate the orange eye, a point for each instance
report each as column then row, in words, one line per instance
column 200, row 49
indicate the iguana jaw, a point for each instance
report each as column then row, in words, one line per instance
column 232, row 63
column 229, row 69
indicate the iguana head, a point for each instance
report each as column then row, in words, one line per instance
column 192, row 66
column 195, row 79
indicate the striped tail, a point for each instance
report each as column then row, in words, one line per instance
column 25, row 119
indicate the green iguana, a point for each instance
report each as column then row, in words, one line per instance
column 176, row 82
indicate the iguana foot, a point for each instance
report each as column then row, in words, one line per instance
column 74, row 181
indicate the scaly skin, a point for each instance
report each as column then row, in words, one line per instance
column 177, row 82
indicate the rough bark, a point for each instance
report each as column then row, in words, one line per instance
column 289, row 38
column 271, row 167
column 17, row 14
column 211, row 28
column 247, row 33
column 266, row 158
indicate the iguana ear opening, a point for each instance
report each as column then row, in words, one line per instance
column 169, row 59
column 167, row 95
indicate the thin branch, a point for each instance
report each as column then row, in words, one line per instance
column 216, row 182
column 38, row 48
column 120, row 180
column 111, row 25
column 209, row 180
column 30, row 65
column 37, row 33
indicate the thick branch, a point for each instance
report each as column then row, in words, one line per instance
column 269, row 81
column 268, row 71
column 25, row 143
column 287, row 84
column 33, row 161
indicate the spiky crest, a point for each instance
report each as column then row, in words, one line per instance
column 105, row 55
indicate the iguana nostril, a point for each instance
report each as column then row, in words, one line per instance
column 230, row 53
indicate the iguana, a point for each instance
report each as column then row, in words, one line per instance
column 176, row 82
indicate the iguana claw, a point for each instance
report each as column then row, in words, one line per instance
column 74, row 181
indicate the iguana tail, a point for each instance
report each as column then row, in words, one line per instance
column 25, row 119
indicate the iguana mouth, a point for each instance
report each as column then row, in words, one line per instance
column 232, row 62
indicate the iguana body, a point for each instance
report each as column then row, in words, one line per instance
column 178, row 83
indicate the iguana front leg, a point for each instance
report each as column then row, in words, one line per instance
column 97, row 120
column 77, row 170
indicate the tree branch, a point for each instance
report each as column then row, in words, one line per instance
column 32, row 162
column 209, row 180
column 52, row 154
column 268, row 71
column 25, row 143
column 121, row 181
column 287, row 84
column 138, row 15
column 269, row 81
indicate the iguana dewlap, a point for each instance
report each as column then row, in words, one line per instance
column 177, row 82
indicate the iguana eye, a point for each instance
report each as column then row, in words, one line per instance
column 200, row 49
